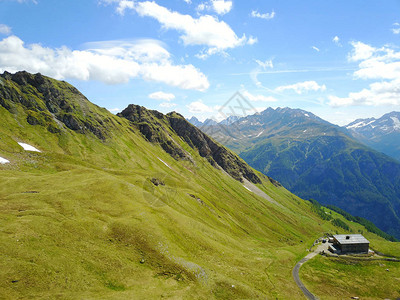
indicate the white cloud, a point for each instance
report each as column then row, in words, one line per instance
column 205, row 30
column 265, row 64
column 221, row 7
column 336, row 39
column 110, row 62
column 25, row 1
column 4, row 29
column 378, row 93
column 259, row 97
column 315, row 48
column 167, row 104
column 199, row 107
column 124, row 5
column 375, row 63
column 396, row 29
column 162, row 96
column 382, row 64
column 188, row 1
column 252, row 40
column 262, row 66
column 361, row 51
column 114, row 110
column 265, row 16
column 302, row 87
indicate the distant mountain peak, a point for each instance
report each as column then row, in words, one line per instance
column 370, row 127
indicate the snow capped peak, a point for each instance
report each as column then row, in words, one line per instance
column 386, row 124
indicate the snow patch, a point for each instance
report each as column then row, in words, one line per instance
column 260, row 133
column 164, row 162
column 396, row 123
column 4, row 161
column 307, row 115
column 28, row 147
column 247, row 188
column 357, row 125
column 305, row 130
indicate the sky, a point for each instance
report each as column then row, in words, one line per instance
column 337, row 59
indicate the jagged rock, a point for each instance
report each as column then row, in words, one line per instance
column 153, row 125
column 157, row 181
column 38, row 93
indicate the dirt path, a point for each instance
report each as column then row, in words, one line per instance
column 296, row 269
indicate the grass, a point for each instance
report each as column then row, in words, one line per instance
column 83, row 220
column 336, row 278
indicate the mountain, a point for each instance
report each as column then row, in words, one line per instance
column 229, row 120
column 317, row 160
column 210, row 122
column 381, row 134
column 194, row 121
column 139, row 205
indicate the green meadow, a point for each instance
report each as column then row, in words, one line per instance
column 84, row 218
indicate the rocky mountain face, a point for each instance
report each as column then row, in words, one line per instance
column 157, row 127
column 315, row 159
column 381, row 134
column 49, row 103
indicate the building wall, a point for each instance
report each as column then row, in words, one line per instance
column 354, row 248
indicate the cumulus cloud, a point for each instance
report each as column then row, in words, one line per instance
column 205, row 30
column 302, row 87
column 4, row 29
column 111, row 62
column 221, row 7
column 265, row 16
column 382, row 64
column 315, row 48
column 162, row 96
column 199, row 107
column 361, row 51
column 375, row 63
column 378, row 93
column 258, row 98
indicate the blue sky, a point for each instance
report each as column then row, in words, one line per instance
column 337, row 59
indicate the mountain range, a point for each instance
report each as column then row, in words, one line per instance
column 382, row 134
column 318, row 160
column 145, row 205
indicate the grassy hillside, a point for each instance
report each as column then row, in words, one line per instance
column 106, row 211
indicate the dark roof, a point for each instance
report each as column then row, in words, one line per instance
column 351, row 239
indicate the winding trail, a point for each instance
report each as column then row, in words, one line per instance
column 296, row 270
column 300, row 284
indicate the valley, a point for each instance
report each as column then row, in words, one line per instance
column 318, row 160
